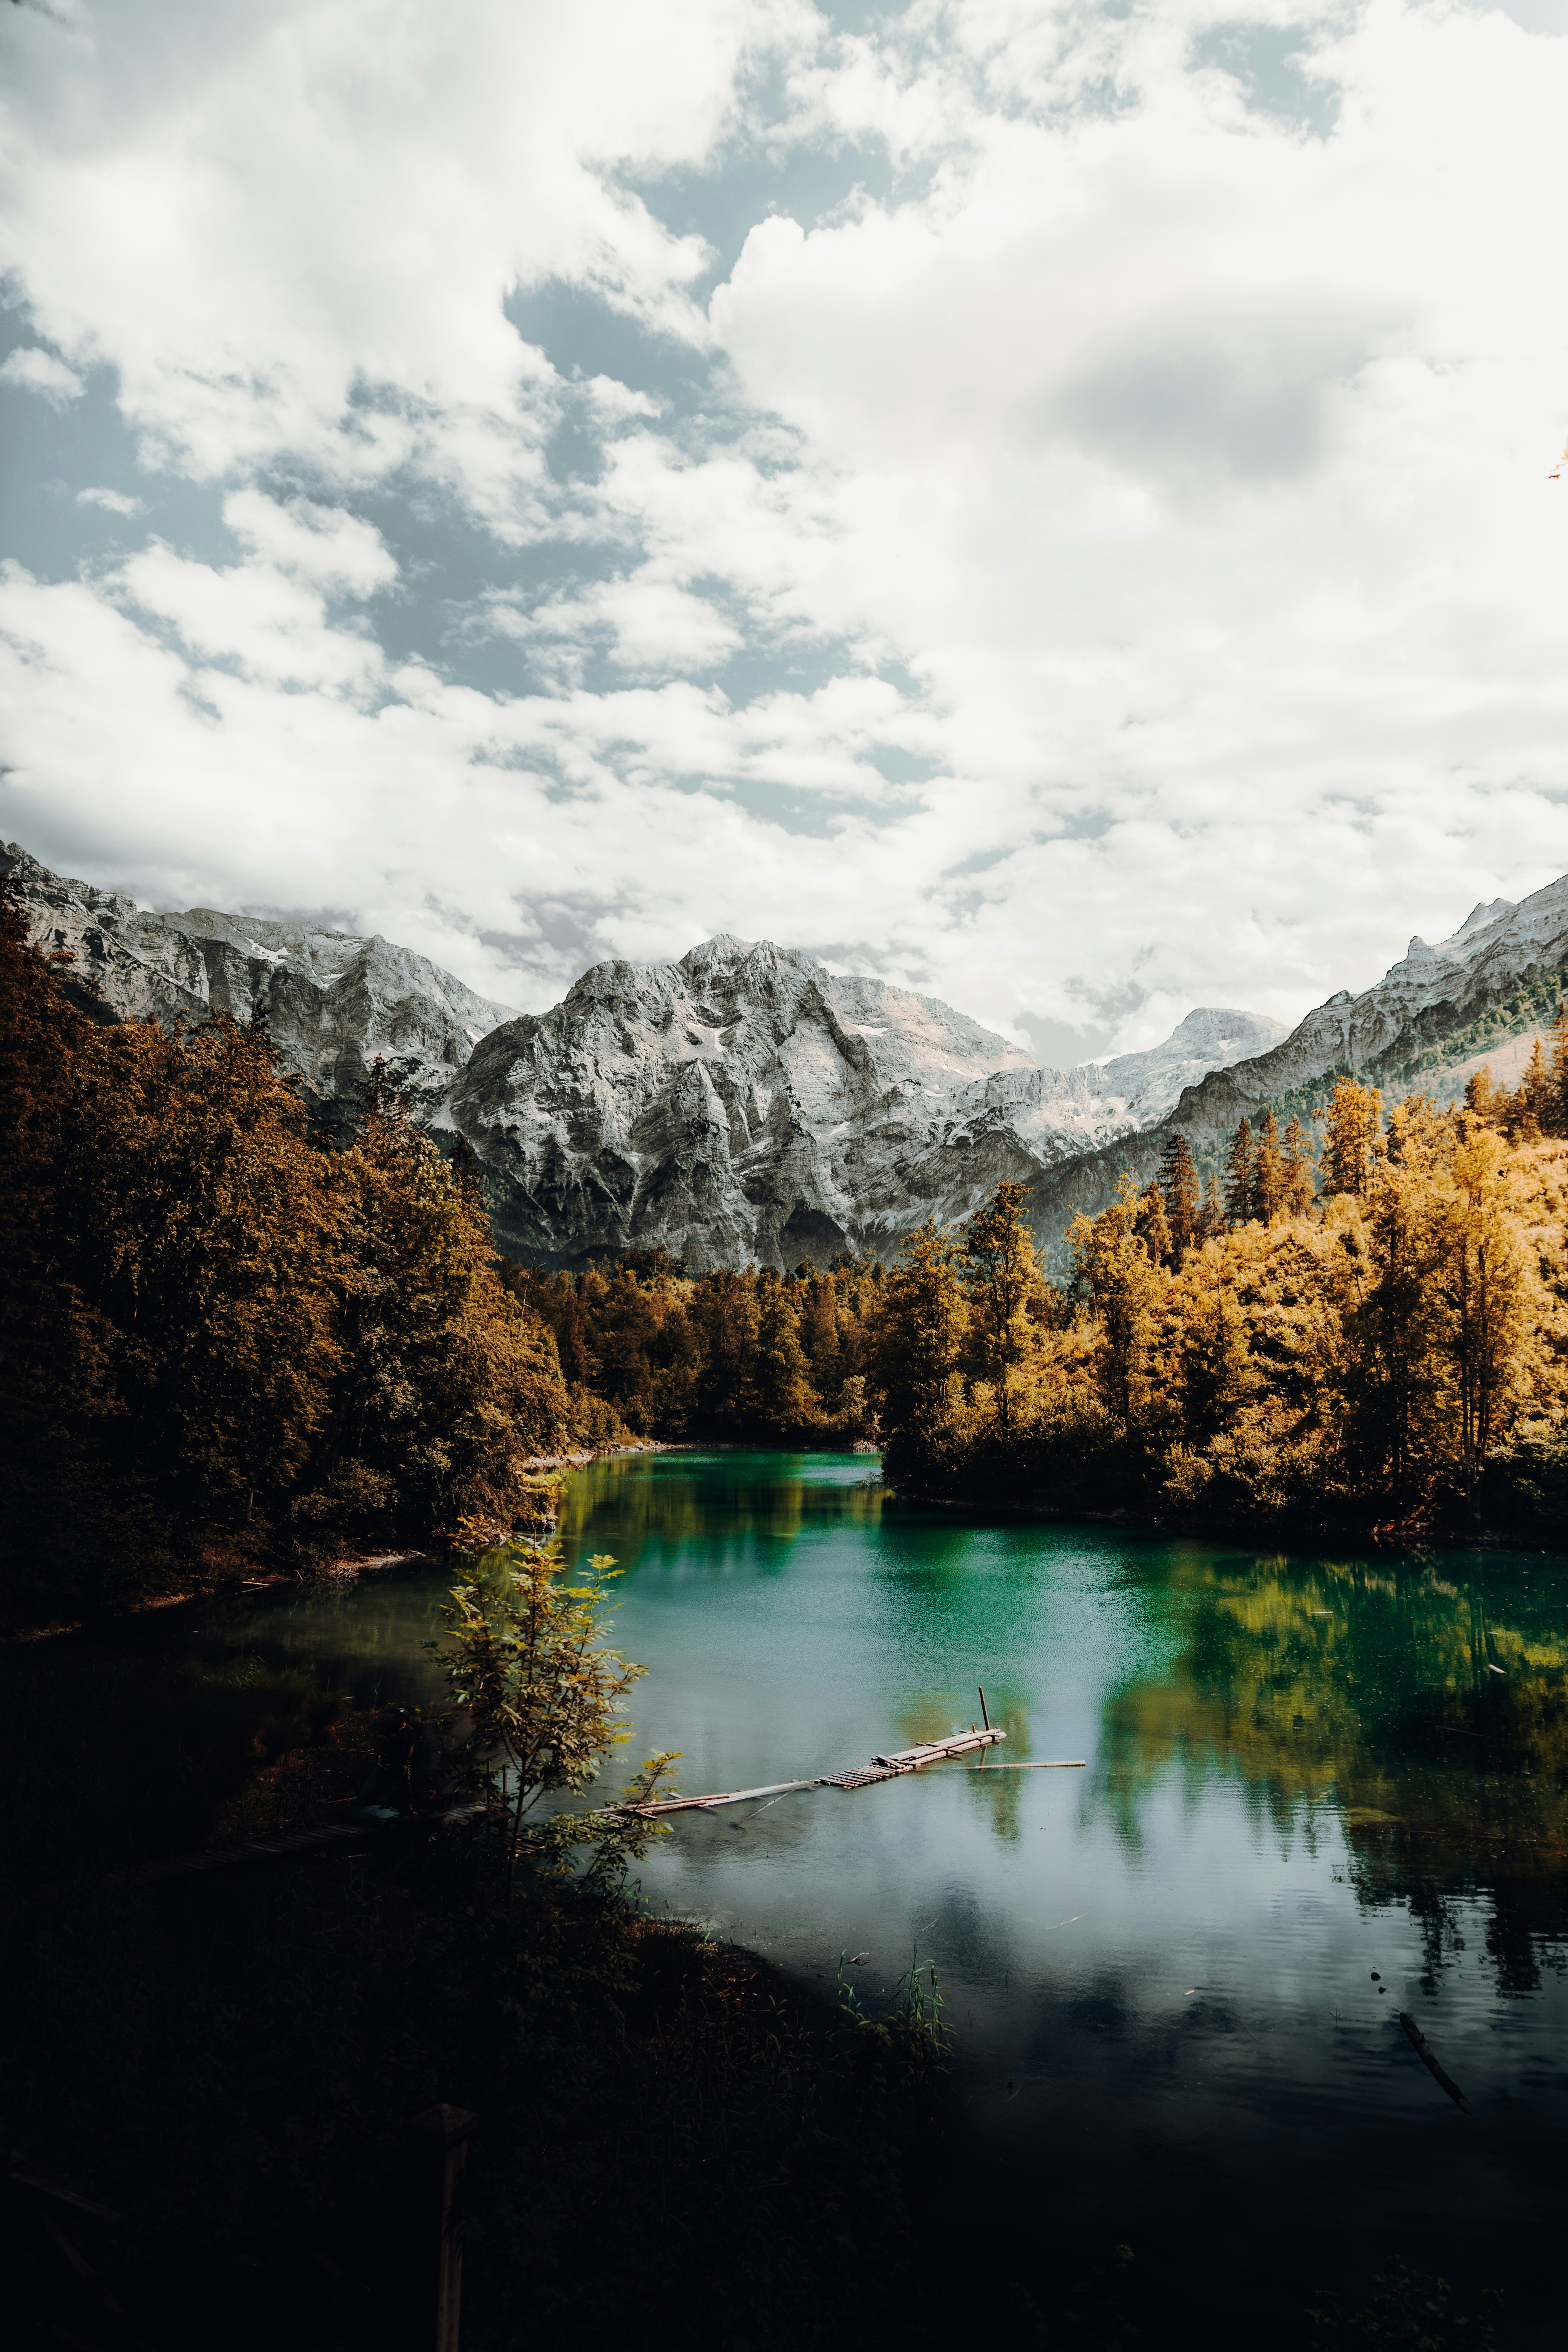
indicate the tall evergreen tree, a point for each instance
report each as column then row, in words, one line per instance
column 1211, row 1217
column 1557, row 1120
column 1179, row 1184
column 1270, row 1184
column 1154, row 1227
column 1354, row 1137
column 1481, row 1095
column 1112, row 1267
column 1241, row 1177
column 920, row 1335
column 1000, row 1276
column 1297, row 1170
column 780, row 1380
column 1536, row 1097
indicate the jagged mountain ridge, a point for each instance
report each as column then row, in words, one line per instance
column 746, row 1104
column 333, row 1001
column 1385, row 1037
column 742, row 1104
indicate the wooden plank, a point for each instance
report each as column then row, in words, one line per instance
column 724, row 1797
column 882, row 1768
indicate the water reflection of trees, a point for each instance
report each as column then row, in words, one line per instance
column 646, row 1518
column 997, row 1792
column 1363, row 1692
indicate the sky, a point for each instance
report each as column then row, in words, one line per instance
column 1048, row 505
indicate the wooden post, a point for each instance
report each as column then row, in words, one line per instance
column 986, row 1719
column 442, row 2133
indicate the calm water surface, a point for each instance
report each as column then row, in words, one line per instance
column 1299, row 1769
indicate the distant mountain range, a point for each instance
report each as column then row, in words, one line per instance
column 746, row 1103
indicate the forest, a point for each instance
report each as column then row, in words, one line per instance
column 225, row 1338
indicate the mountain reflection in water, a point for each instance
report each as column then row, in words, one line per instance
column 1159, row 1970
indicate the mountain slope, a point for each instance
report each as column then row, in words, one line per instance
column 332, row 1001
column 746, row 1104
column 1435, row 1016
column 742, row 1104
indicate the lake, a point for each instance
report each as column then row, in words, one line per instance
column 1317, row 1790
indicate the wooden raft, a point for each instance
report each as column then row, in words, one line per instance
column 882, row 1768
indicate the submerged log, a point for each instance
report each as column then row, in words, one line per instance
column 1429, row 2058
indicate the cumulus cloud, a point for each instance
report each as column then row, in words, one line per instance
column 1096, row 558
column 39, row 371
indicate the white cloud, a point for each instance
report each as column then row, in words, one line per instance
column 1123, row 548
column 322, row 544
column 38, row 371
column 294, row 233
column 118, row 502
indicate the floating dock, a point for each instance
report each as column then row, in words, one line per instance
column 882, row 1768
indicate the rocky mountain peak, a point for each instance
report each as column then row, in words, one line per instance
column 333, row 1001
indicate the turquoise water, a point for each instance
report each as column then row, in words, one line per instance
column 1158, row 1970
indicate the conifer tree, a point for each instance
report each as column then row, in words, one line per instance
column 781, row 1384
column 1298, row 1171
column 1000, row 1276
column 1535, row 1097
column 1482, row 1099
column 1212, row 1218
column 1354, row 1137
column 1154, row 1227
column 1112, row 1266
column 1179, row 1184
column 1556, row 1123
column 920, row 1343
column 1270, row 1183
column 1241, row 1177
column 1214, row 1375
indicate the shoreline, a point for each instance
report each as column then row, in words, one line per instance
column 348, row 1567
column 1411, row 1535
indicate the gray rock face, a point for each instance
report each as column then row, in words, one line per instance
column 746, row 1104
column 333, row 1002
column 1431, row 994
column 743, row 1104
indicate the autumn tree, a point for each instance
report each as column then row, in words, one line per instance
column 1214, row 1376
column 1112, row 1267
column 1212, row 1220
column 1481, row 1097
column 723, row 1309
column 920, row 1335
column 1297, row 1170
column 781, row 1391
column 1270, row 1180
column 1556, row 1123
column 1000, row 1276
column 1536, row 1099
column 1354, row 1139
column 1179, row 1184
column 1486, row 1297
column 1241, row 1177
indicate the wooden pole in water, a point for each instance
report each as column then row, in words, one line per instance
column 981, row 1689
